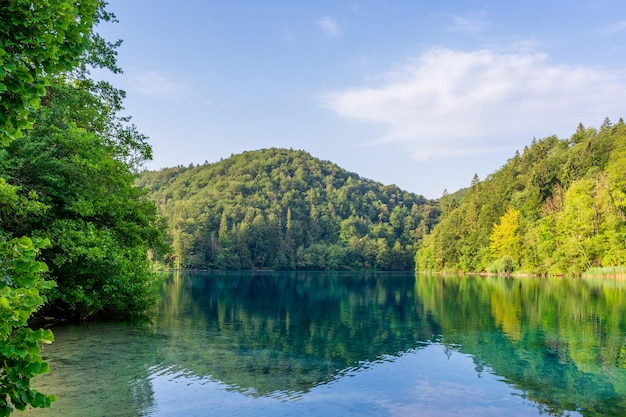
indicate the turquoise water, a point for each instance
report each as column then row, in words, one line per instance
column 372, row 344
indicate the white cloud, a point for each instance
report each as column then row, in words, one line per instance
column 159, row 85
column 329, row 26
column 451, row 104
column 472, row 23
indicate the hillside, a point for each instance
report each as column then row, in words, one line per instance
column 559, row 207
column 284, row 209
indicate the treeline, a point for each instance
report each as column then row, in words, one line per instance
column 284, row 210
column 559, row 207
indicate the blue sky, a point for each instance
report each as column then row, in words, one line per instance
column 420, row 94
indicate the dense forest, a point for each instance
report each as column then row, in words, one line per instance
column 559, row 207
column 284, row 209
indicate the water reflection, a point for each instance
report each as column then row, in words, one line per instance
column 561, row 341
column 285, row 333
column 353, row 343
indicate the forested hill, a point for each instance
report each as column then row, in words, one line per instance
column 558, row 208
column 284, row 209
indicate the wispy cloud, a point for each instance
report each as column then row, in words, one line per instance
column 471, row 23
column 329, row 26
column 159, row 85
column 448, row 103
column 615, row 27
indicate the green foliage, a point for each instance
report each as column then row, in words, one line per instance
column 505, row 239
column 21, row 286
column 609, row 271
column 283, row 209
column 78, row 160
column 558, row 208
column 37, row 39
column 504, row 265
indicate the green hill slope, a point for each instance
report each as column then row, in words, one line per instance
column 284, row 209
column 558, row 208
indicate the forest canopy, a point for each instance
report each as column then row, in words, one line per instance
column 559, row 207
column 284, row 209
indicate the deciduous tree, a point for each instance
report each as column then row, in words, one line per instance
column 37, row 39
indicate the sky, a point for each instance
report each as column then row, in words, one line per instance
column 417, row 93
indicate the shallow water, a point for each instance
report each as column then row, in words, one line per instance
column 377, row 344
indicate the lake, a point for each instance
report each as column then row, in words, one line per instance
column 358, row 343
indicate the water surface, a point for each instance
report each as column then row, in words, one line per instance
column 378, row 344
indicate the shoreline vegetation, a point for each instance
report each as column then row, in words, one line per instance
column 610, row 273
column 557, row 208
column 75, row 232
column 43, row 45
column 615, row 272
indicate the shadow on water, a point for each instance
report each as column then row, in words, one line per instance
column 245, row 338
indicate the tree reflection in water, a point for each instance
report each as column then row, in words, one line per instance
column 306, row 338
